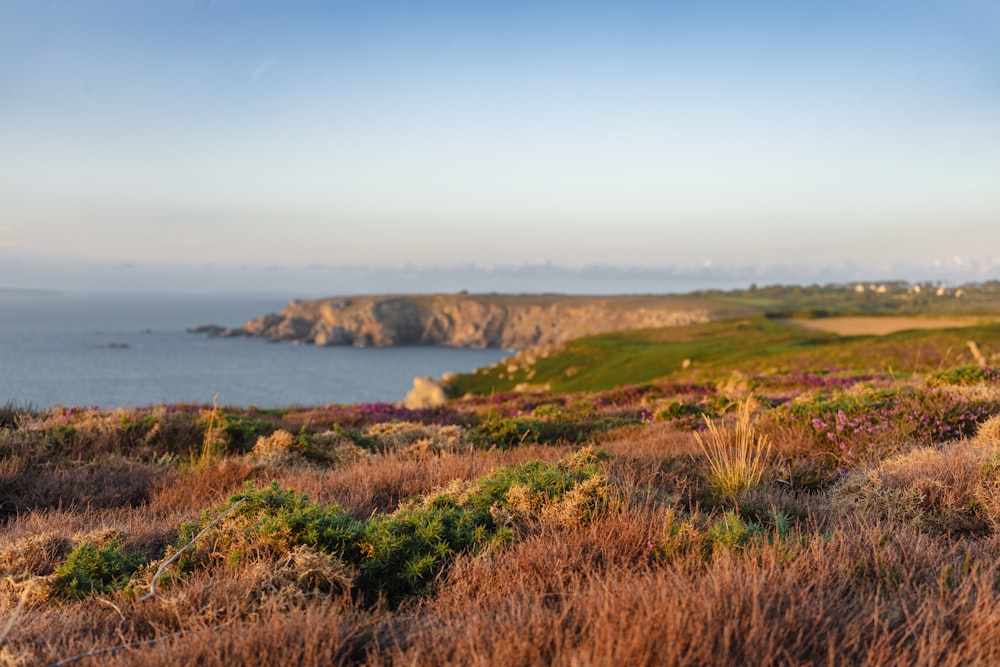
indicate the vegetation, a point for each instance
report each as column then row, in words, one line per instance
column 708, row 351
column 90, row 568
column 791, row 497
column 887, row 298
column 736, row 457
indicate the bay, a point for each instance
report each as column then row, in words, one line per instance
column 126, row 351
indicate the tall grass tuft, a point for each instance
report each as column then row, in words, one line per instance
column 737, row 456
column 214, row 443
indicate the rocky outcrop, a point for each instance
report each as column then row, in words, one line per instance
column 426, row 393
column 463, row 320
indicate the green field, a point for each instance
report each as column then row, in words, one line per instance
column 709, row 351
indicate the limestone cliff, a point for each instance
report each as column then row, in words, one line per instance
column 463, row 320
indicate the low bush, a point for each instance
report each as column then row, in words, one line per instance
column 683, row 414
column 505, row 433
column 397, row 555
column 951, row 489
column 871, row 425
column 965, row 375
column 698, row 538
column 91, row 568
column 13, row 413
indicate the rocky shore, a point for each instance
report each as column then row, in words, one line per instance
column 463, row 320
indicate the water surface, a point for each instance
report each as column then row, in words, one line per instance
column 114, row 351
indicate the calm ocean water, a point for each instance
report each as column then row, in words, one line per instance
column 114, row 351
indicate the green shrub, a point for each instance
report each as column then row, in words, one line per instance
column 281, row 520
column 551, row 481
column 965, row 375
column 552, row 413
column 506, row 433
column 730, row 531
column 404, row 551
column 684, row 414
column 90, row 568
column 398, row 555
column 243, row 430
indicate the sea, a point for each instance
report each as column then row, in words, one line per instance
column 132, row 350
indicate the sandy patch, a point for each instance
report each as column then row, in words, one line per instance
column 880, row 326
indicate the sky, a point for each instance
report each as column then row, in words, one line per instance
column 314, row 145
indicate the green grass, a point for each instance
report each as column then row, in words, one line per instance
column 716, row 349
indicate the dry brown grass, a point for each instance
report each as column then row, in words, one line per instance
column 381, row 484
column 844, row 600
column 886, row 576
column 419, row 440
column 330, row 449
column 953, row 488
column 110, row 481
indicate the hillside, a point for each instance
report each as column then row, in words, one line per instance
column 710, row 351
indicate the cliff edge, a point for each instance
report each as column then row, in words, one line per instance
column 464, row 320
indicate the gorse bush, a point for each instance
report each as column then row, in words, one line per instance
column 552, row 428
column 550, row 481
column 401, row 553
column 394, row 556
column 730, row 531
column 330, row 448
column 229, row 431
column 274, row 520
column 91, row 568
column 950, row 489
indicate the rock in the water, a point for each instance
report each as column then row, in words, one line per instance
column 213, row 330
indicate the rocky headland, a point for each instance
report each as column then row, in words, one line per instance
column 464, row 320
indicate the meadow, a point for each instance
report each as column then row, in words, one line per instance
column 786, row 497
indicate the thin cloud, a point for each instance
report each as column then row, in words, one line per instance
column 262, row 69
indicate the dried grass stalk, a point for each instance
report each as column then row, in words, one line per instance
column 737, row 456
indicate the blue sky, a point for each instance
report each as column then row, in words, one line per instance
column 265, row 137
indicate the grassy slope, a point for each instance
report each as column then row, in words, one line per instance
column 759, row 343
column 753, row 345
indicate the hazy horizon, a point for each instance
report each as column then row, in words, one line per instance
column 327, row 280
column 224, row 144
